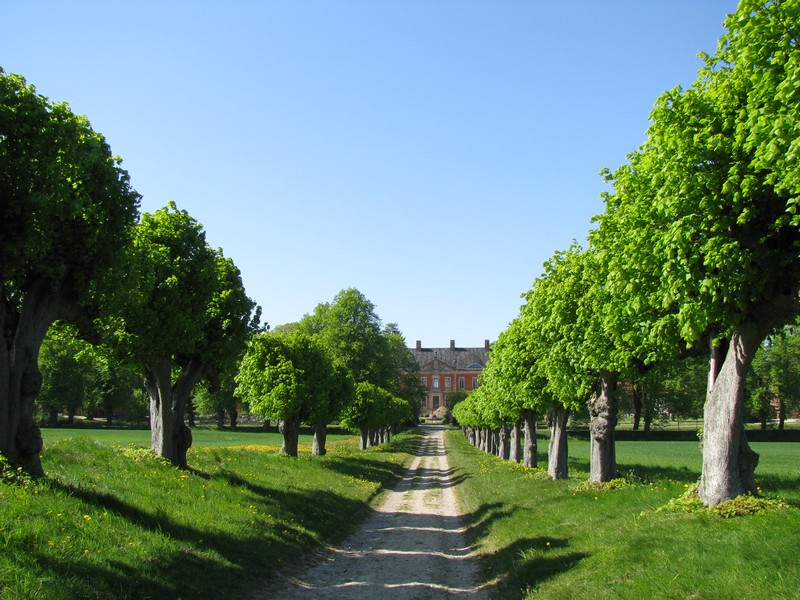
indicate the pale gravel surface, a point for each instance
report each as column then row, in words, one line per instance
column 412, row 546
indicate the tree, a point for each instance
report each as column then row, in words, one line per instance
column 776, row 369
column 66, row 211
column 713, row 193
column 186, row 313
column 350, row 332
column 64, row 379
column 554, row 337
column 373, row 408
column 290, row 378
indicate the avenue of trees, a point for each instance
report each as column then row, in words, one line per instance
column 126, row 295
column 696, row 253
column 75, row 250
column 335, row 364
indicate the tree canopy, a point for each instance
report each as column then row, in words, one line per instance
column 66, row 213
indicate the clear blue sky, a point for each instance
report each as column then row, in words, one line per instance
column 431, row 153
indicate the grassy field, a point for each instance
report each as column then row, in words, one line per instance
column 202, row 437
column 112, row 521
column 539, row 538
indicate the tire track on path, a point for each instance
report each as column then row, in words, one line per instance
column 412, row 546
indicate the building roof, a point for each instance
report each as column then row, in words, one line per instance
column 432, row 360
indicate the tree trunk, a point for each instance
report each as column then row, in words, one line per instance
column 781, row 414
column 220, row 418
column 290, row 429
column 530, row 449
column 364, row 440
column 502, row 442
column 603, row 412
column 20, row 378
column 320, row 439
column 514, row 443
column 728, row 462
column 234, row 414
column 557, row 457
column 169, row 435
column 637, row 407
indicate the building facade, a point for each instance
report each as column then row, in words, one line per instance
column 443, row 371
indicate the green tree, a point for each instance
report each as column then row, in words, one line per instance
column 371, row 409
column 713, row 193
column 290, row 378
column 350, row 331
column 185, row 315
column 64, row 378
column 776, row 368
column 66, row 211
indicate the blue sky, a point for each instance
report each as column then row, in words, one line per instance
column 431, row 153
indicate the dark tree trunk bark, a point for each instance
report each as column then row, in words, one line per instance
column 234, row 414
column 220, row 418
column 530, row 449
column 52, row 421
column 169, row 435
column 603, row 411
column 320, row 439
column 514, row 443
column 728, row 462
column 637, row 407
column 20, row 379
column 290, row 429
column 557, row 456
column 364, row 440
column 781, row 414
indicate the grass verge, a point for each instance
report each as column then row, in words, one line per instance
column 538, row 538
column 113, row 521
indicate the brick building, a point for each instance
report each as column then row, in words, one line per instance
column 445, row 370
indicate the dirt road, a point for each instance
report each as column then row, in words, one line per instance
column 412, row 546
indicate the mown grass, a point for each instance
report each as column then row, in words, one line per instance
column 202, row 437
column 543, row 539
column 113, row 521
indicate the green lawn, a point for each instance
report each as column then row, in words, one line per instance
column 112, row 521
column 543, row 539
column 202, row 437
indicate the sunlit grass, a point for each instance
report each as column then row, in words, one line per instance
column 539, row 538
column 113, row 521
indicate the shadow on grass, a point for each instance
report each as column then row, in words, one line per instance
column 523, row 564
column 188, row 567
column 529, row 562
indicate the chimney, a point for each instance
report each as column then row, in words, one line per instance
column 419, row 344
column 486, row 345
column 452, row 344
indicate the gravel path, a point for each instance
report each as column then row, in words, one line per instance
column 412, row 546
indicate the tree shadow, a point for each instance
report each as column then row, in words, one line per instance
column 187, row 562
column 528, row 562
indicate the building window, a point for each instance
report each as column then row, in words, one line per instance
column 461, row 383
column 424, row 401
column 447, row 382
column 423, row 381
column 436, row 382
column 474, row 382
